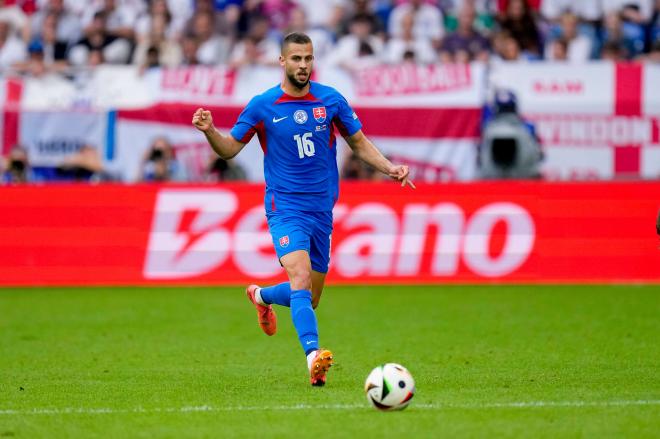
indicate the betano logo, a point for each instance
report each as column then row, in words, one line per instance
column 190, row 237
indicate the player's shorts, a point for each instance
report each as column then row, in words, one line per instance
column 309, row 231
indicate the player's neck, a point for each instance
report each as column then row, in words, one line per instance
column 294, row 91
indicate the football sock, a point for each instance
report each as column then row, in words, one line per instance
column 310, row 358
column 257, row 297
column 278, row 294
column 304, row 320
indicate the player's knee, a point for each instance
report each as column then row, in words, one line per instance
column 300, row 279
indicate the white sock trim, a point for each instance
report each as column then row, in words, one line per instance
column 257, row 297
column 310, row 358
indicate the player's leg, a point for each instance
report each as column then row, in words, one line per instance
column 265, row 314
column 319, row 253
column 299, row 268
column 318, row 281
column 287, row 237
column 279, row 294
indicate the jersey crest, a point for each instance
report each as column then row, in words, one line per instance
column 319, row 114
column 300, row 116
column 284, row 241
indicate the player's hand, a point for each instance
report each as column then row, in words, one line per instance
column 400, row 173
column 202, row 120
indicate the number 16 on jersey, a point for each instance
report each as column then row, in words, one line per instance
column 305, row 145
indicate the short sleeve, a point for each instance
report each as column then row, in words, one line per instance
column 244, row 128
column 346, row 120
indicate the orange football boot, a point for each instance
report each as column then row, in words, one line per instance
column 320, row 365
column 265, row 314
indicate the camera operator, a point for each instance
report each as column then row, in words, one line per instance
column 159, row 163
column 83, row 166
column 509, row 147
column 17, row 168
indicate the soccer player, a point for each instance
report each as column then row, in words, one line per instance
column 295, row 122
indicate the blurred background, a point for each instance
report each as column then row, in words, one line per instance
column 544, row 98
column 443, row 86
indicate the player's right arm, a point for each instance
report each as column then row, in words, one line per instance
column 225, row 146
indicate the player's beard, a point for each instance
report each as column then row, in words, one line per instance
column 294, row 81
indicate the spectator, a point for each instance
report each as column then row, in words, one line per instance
column 258, row 48
column 429, row 21
column 635, row 16
column 189, row 50
column 613, row 31
column 360, row 48
column 485, row 11
column 157, row 49
column 220, row 170
column 213, row 47
column 16, row 168
column 16, row 17
column 144, row 24
column 519, row 22
column 231, row 14
column 636, row 12
column 654, row 24
column 363, row 8
column 654, row 54
column 466, row 44
column 35, row 65
column 325, row 14
column 505, row 47
column 408, row 47
column 120, row 17
column 99, row 46
column 558, row 50
column 588, row 10
column 321, row 38
column 68, row 25
column 613, row 51
column 12, row 48
column 278, row 12
column 54, row 50
column 578, row 46
column 159, row 163
column 251, row 10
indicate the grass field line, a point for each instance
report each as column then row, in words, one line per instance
column 295, row 407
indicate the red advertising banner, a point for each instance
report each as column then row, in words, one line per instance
column 506, row 232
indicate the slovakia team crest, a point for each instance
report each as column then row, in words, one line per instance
column 284, row 241
column 319, row 114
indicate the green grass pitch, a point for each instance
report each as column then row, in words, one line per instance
column 489, row 361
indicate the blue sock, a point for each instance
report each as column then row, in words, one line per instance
column 278, row 294
column 304, row 320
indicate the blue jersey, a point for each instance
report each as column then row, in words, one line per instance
column 297, row 135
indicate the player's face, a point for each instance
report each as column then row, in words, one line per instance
column 297, row 61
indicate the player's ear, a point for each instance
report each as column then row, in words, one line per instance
column 282, row 60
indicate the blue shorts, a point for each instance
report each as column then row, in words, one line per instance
column 309, row 231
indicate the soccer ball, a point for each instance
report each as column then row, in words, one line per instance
column 390, row 387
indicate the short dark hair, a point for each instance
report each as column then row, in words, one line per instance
column 295, row 38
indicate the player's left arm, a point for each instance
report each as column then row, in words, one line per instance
column 365, row 150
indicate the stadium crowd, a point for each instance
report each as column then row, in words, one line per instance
column 55, row 35
column 63, row 37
